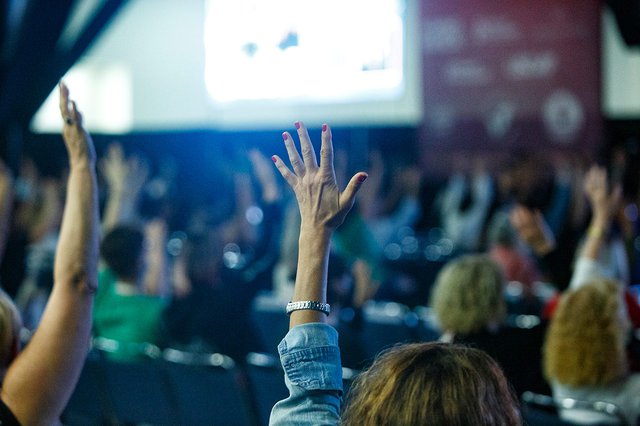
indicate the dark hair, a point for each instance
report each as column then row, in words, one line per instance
column 432, row 383
column 121, row 249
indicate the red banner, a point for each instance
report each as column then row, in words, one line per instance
column 505, row 74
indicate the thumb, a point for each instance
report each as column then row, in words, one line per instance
column 348, row 196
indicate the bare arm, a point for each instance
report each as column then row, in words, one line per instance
column 604, row 203
column 125, row 180
column 322, row 209
column 39, row 382
column 155, row 280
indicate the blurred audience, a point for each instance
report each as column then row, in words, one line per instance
column 469, row 304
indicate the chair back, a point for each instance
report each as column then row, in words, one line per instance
column 139, row 390
column 544, row 410
column 385, row 324
column 208, row 389
column 270, row 320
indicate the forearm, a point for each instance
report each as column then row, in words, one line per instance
column 155, row 281
column 77, row 251
column 595, row 236
column 311, row 276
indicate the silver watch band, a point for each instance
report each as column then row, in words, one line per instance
column 306, row 305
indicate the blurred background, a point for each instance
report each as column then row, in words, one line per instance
column 427, row 77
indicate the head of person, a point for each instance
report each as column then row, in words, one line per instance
column 431, row 383
column 468, row 295
column 122, row 249
column 10, row 325
column 203, row 254
column 585, row 343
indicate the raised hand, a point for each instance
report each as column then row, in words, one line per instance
column 604, row 201
column 322, row 205
column 77, row 140
column 532, row 229
column 266, row 176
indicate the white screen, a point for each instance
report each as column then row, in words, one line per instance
column 345, row 62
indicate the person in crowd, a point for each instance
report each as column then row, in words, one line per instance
column 470, row 308
column 212, row 315
column 310, row 354
column 584, row 352
column 124, row 312
column 594, row 258
column 518, row 267
column 463, row 222
column 39, row 380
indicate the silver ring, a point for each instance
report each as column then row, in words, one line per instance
column 68, row 120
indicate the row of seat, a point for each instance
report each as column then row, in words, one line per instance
column 174, row 387
column 384, row 323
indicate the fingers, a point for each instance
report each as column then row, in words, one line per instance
column 326, row 151
column 348, row 197
column 284, row 171
column 294, row 157
column 75, row 114
column 64, row 100
column 308, row 154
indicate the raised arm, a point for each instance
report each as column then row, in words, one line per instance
column 603, row 201
column 125, row 180
column 39, row 382
column 322, row 209
column 309, row 352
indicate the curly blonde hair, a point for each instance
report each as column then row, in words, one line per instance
column 468, row 294
column 585, row 345
column 431, row 383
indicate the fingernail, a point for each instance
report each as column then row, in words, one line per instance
column 297, row 124
column 274, row 158
column 362, row 178
column 324, row 127
column 284, row 136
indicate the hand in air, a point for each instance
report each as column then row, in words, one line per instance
column 322, row 205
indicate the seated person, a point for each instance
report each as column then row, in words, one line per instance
column 392, row 391
column 38, row 381
column 213, row 315
column 122, row 311
column 470, row 308
column 584, row 351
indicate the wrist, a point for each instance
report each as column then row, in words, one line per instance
column 315, row 232
column 81, row 164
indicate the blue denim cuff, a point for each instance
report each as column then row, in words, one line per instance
column 310, row 357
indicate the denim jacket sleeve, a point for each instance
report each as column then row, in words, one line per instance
column 310, row 356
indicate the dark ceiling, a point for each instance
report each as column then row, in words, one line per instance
column 33, row 57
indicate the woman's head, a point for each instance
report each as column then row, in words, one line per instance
column 585, row 344
column 468, row 294
column 431, row 383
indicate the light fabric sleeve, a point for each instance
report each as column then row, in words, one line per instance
column 310, row 356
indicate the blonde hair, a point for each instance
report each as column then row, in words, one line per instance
column 10, row 325
column 585, row 345
column 468, row 294
column 431, row 383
